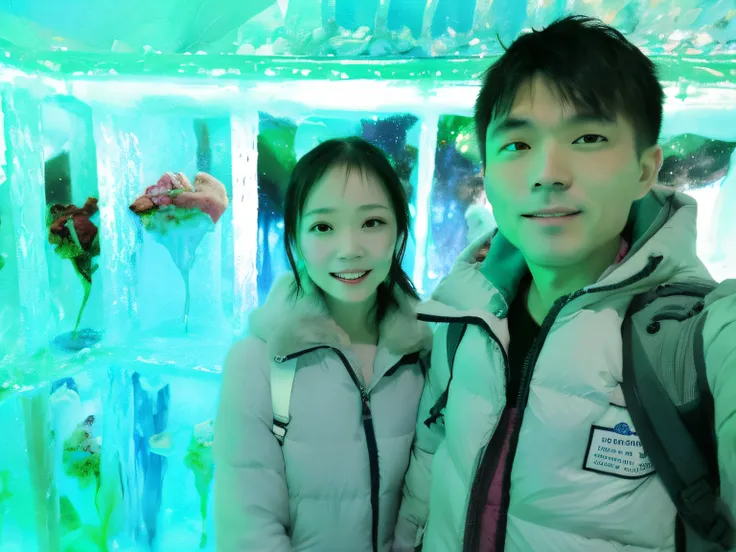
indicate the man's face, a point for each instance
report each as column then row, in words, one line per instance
column 562, row 183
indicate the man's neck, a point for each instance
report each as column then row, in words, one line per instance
column 549, row 284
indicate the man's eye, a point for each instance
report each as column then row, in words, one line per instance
column 590, row 139
column 515, row 146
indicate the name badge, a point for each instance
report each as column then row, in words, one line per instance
column 617, row 451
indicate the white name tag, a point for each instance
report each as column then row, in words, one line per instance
column 617, row 451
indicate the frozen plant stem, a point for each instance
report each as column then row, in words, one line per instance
column 87, row 290
column 185, row 275
column 41, row 466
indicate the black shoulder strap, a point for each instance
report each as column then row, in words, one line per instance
column 675, row 453
column 455, row 332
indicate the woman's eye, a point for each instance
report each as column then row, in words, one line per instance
column 320, row 228
column 373, row 223
column 590, row 139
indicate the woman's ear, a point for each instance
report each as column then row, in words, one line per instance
column 298, row 257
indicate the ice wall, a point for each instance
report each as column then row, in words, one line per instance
column 131, row 400
column 116, row 451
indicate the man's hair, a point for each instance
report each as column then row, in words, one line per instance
column 592, row 66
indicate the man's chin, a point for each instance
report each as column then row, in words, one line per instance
column 552, row 258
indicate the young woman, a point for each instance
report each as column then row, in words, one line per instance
column 318, row 405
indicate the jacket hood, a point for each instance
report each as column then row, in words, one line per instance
column 290, row 323
column 662, row 224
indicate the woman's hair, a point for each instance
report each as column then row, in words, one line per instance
column 352, row 153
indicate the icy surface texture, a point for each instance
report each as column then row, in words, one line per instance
column 10, row 299
column 116, row 456
column 22, row 118
column 244, row 220
column 111, row 437
column 143, row 398
column 347, row 28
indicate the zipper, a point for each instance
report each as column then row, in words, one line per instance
column 472, row 540
column 492, row 456
column 368, row 429
column 492, row 450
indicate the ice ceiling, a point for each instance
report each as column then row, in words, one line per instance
column 352, row 28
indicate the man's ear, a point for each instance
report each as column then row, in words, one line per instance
column 650, row 163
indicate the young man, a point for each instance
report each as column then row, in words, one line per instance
column 568, row 121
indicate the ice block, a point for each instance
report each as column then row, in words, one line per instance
column 118, row 476
column 425, row 179
column 151, row 416
column 40, row 445
column 118, row 166
column 244, row 133
column 82, row 147
column 185, row 518
column 22, row 114
column 9, row 300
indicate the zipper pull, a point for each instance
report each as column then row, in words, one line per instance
column 367, row 414
column 279, row 359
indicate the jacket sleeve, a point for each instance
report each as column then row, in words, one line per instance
column 251, row 500
column 414, row 508
column 719, row 337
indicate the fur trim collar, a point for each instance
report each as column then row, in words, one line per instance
column 289, row 324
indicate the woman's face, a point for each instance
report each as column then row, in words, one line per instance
column 347, row 235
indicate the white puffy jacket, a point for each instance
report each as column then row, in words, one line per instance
column 558, row 498
column 315, row 493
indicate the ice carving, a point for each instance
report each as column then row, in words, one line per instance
column 178, row 215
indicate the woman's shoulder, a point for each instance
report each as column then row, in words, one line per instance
column 247, row 360
column 401, row 331
column 246, row 347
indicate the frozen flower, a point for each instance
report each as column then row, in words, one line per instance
column 81, row 456
column 178, row 215
column 208, row 195
column 71, row 228
column 76, row 238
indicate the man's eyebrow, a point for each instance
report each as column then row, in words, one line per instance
column 509, row 124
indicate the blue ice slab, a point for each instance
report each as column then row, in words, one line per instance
column 22, row 115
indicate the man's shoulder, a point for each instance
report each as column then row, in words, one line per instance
column 720, row 309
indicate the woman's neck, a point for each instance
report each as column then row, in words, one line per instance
column 358, row 320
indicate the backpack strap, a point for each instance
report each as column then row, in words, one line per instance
column 282, row 380
column 686, row 467
column 455, row 332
